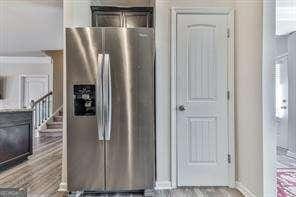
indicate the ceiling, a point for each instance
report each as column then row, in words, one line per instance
column 30, row 25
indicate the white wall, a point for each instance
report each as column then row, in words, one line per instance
column 12, row 67
column 77, row 13
column 30, row 25
column 281, row 45
column 268, row 97
column 248, row 95
column 248, row 65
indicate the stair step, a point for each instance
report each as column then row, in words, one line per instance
column 51, row 132
column 56, row 122
column 58, row 118
column 55, row 125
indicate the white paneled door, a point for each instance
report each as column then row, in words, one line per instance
column 202, row 103
column 33, row 87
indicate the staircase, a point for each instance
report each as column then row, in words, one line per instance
column 54, row 127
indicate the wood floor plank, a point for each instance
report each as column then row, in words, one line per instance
column 199, row 192
column 32, row 161
column 38, row 163
column 40, row 175
column 181, row 192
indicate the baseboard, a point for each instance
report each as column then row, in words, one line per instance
column 160, row 185
column 63, row 187
column 244, row 190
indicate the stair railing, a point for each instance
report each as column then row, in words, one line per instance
column 42, row 109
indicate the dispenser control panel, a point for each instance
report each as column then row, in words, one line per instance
column 84, row 100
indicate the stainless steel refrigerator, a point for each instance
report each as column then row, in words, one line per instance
column 110, row 109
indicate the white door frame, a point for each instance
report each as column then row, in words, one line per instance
column 231, row 126
column 281, row 58
column 22, row 86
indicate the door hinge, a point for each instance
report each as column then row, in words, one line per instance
column 228, row 95
column 228, row 33
column 229, row 158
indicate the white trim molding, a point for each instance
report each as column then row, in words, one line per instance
column 231, row 140
column 22, row 78
column 244, row 190
column 160, row 185
column 231, row 102
column 63, row 187
column 25, row 60
column 200, row 10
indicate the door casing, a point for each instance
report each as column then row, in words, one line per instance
column 22, row 79
column 282, row 135
column 230, row 80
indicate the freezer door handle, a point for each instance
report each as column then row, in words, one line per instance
column 107, row 92
column 99, row 97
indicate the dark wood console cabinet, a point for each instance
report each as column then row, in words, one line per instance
column 16, row 137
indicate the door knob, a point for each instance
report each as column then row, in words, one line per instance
column 182, row 108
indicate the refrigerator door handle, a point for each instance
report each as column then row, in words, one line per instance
column 99, row 97
column 108, row 97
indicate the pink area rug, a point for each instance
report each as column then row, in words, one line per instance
column 286, row 182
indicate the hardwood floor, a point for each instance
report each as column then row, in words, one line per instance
column 200, row 192
column 181, row 192
column 283, row 160
column 40, row 175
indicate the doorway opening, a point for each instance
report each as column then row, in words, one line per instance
column 32, row 86
column 285, row 98
column 279, row 98
column 285, row 115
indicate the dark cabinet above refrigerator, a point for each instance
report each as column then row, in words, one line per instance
column 130, row 17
